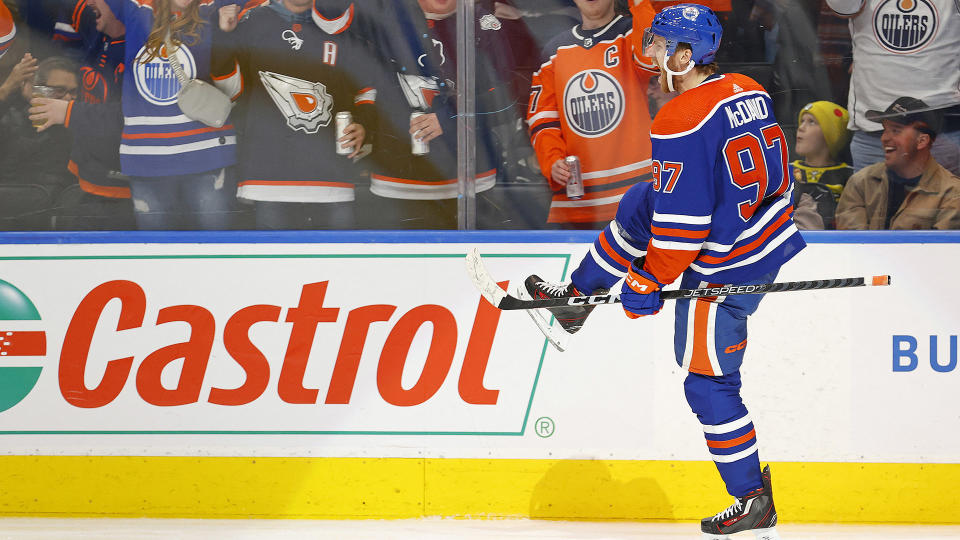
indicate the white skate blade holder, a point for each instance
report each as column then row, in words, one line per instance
column 548, row 325
column 759, row 534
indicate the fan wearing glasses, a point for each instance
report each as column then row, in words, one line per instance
column 27, row 154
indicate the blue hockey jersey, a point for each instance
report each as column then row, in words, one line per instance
column 158, row 139
column 723, row 211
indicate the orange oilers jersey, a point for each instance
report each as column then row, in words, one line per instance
column 589, row 99
column 8, row 30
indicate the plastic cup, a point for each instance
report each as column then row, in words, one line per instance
column 42, row 91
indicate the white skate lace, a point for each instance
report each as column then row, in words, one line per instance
column 553, row 289
column 733, row 510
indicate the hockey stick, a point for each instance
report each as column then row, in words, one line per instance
column 502, row 300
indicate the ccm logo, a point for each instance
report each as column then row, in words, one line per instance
column 588, row 300
column 738, row 347
column 637, row 286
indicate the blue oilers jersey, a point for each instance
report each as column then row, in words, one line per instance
column 723, row 210
column 158, row 139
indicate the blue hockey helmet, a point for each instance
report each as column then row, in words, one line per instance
column 687, row 23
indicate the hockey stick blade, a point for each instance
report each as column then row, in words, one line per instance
column 500, row 299
column 478, row 273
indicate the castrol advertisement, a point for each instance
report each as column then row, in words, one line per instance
column 294, row 343
column 389, row 350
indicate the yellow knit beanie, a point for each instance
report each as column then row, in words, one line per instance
column 833, row 123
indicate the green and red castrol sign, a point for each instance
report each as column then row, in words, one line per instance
column 300, row 344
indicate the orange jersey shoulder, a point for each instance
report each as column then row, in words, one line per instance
column 689, row 109
column 8, row 30
column 7, row 27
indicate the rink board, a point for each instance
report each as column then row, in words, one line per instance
column 363, row 376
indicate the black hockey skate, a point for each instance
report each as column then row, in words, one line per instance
column 571, row 318
column 753, row 512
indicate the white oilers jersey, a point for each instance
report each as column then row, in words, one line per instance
column 904, row 48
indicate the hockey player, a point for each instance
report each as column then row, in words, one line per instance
column 297, row 67
column 721, row 215
column 589, row 95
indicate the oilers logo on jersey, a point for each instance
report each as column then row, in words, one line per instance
column 593, row 103
column 419, row 90
column 905, row 26
column 156, row 80
column 306, row 105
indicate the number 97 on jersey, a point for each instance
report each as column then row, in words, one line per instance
column 665, row 175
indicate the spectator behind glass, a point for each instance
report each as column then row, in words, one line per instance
column 296, row 72
column 415, row 42
column 909, row 189
column 518, row 31
column 903, row 48
column 799, row 74
column 180, row 169
column 836, row 50
column 26, row 155
column 51, row 27
column 820, row 174
column 95, row 120
column 589, row 99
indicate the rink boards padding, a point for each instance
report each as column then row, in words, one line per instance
column 395, row 488
column 361, row 375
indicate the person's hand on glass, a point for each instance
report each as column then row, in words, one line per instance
column 21, row 73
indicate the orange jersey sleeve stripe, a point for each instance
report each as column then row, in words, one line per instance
column 608, row 249
column 667, row 264
column 682, row 233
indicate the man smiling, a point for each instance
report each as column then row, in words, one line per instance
column 908, row 189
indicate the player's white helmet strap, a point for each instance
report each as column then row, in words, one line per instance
column 670, row 73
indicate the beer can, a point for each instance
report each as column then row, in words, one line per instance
column 344, row 119
column 419, row 147
column 575, row 183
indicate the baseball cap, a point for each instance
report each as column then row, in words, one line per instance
column 907, row 110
